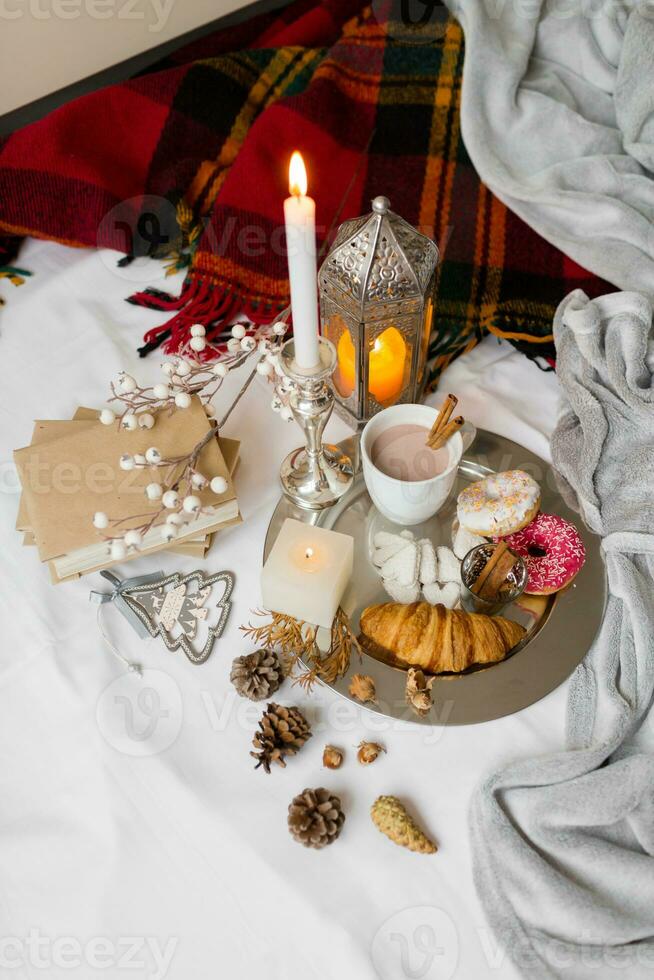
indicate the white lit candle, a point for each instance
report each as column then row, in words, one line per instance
column 300, row 219
column 307, row 572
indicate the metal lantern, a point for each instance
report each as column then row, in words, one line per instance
column 376, row 307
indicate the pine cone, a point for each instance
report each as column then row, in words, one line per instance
column 282, row 731
column 390, row 816
column 315, row 818
column 257, row 675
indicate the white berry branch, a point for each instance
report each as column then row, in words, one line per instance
column 186, row 376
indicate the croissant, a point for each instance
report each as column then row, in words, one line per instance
column 435, row 638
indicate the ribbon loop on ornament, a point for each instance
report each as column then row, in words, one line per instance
column 117, row 596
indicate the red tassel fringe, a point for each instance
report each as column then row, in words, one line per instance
column 200, row 301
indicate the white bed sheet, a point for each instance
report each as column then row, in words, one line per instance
column 139, row 829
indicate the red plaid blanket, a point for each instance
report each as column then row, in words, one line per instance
column 189, row 162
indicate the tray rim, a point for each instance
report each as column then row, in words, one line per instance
column 513, row 684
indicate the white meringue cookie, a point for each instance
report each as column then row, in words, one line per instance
column 465, row 541
column 427, row 570
column 447, row 595
column 384, row 538
column 403, row 567
column 382, row 555
column 449, row 566
column 402, row 593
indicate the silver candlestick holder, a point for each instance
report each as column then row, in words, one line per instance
column 316, row 476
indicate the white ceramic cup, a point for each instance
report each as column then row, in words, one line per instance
column 402, row 501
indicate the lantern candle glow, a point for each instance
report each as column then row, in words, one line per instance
column 387, row 359
column 376, row 307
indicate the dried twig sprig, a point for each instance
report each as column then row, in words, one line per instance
column 295, row 642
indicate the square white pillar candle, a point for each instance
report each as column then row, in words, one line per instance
column 307, row 571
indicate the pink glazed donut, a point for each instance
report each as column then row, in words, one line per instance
column 553, row 550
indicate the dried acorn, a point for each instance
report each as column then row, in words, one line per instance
column 332, row 757
column 418, row 691
column 368, row 752
column 362, row 687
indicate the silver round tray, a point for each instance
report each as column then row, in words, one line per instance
column 560, row 628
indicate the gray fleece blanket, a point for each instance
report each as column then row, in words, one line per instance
column 557, row 115
column 564, row 845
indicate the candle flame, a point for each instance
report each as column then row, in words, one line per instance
column 297, row 176
column 308, row 553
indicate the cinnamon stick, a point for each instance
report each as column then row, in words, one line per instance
column 443, row 416
column 499, row 551
column 446, row 432
column 493, row 585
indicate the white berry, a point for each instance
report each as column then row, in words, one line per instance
column 170, row 499
column 192, row 504
column 248, row 344
column 233, row 345
column 286, row 413
column 183, row 368
column 279, row 328
column 161, row 391
column 168, row 532
column 199, row 480
column 220, row 370
column 153, row 455
column 197, row 343
column 174, row 519
column 100, row 520
column 197, row 330
column 126, row 462
column 129, row 422
column 133, row 538
column 264, row 346
column 218, row 484
column 276, row 404
column 264, row 368
column 107, row 417
column 126, row 383
column 182, row 399
column 168, row 368
column 153, row 491
column 118, row 550
column 238, row 331
column 146, row 421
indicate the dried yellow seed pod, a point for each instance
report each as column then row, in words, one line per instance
column 390, row 816
column 332, row 757
column 362, row 687
column 368, row 752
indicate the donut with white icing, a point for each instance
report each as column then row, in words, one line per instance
column 553, row 551
column 500, row 504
